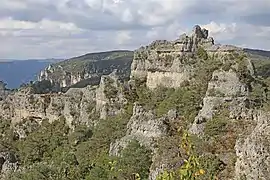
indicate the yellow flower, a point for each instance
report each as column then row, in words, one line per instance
column 201, row 171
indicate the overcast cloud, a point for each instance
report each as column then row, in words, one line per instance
column 66, row 28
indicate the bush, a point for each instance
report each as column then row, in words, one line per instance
column 136, row 159
column 216, row 127
column 109, row 90
column 202, row 54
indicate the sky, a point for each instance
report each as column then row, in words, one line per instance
column 65, row 28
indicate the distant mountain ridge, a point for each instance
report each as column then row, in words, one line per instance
column 261, row 61
column 88, row 68
column 258, row 52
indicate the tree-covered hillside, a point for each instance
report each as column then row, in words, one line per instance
column 84, row 62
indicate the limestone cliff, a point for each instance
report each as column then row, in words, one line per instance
column 77, row 105
column 170, row 63
column 189, row 84
column 87, row 68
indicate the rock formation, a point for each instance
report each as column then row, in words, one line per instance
column 76, row 105
column 170, row 63
column 8, row 163
column 223, row 75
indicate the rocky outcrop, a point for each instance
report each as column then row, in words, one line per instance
column 253, row 150
column 57, row 75
column 8, row 163
column 170, row 63
column 162, row 63
column 72, row 105
column 224, row 88
column 144, row 127
column 110, row 99
column 85, row 105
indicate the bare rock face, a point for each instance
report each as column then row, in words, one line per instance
column 253, row 150
column 8, row 163
column 170, row 63
column 144, row 127
column 109, row 96
column 224, row 88
column 72, row 105
column 85, row 105
column 57, row 75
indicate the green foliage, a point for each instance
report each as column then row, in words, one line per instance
column 110, row 91
column 202, row 54
column 185, row 99
column 215, row 127
column 7, row 135
column 54, row 151
column 212, row 166
column 41, row 87
column 135, row 159
column 134, row 162
column 259, row 95
column 81, row 134
column 190, row 169
column 88, row 61
column 41, row 143
column 215, row 92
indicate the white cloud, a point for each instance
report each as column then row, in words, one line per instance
column 241, row 34
column 41, row 28
column 122, row 37
column 11, row 24
column 9, row 4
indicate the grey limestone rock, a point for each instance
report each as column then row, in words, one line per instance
column 109, row 96
column 144, row 127
column 77, row 105
column 8, row 163
column 224, row 87
column 253, row 150
column 168, row 63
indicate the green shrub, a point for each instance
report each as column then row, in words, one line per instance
column 212, row 166
column 81, row 133
column 202, row 54
column 109, row 90
column 190, row 169
column 215, row 127
column 135, row 159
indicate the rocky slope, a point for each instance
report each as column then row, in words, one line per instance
column 187, row 85
column 87, row 67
